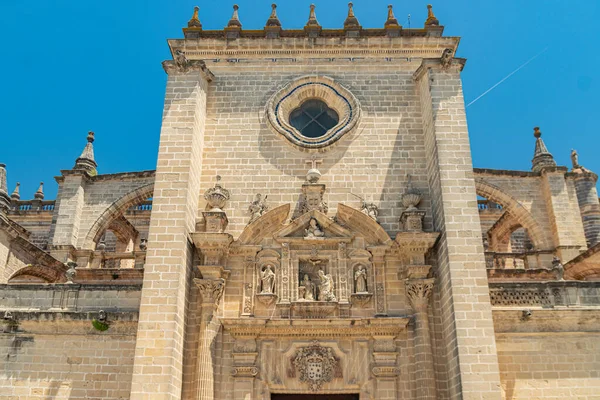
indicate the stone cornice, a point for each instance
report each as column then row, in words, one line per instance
column 435, row 64
column 342, row 327
column 214, row 48
column 191, row 66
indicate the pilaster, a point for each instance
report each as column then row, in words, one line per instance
column 158, row 363
column 470, row 359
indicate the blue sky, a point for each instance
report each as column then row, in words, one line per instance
column 73, row 66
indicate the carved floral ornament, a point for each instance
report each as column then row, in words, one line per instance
column 322, row 89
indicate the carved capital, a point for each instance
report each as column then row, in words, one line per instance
column 419, row 292
column 211, row 290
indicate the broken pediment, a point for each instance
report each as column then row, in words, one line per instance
column 313, row 226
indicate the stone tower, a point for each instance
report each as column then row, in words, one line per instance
column 377, row 117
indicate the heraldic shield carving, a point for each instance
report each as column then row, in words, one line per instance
column 316, row 365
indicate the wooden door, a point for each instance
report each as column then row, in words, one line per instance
column 314, row 397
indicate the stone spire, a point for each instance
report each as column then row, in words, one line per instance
column 312, row 27
column 312, row 17
column 4, row 197
column 391, row 19
column 541, row 157
column 431, row 19
column 234, row 22
column 15, row 194
column 351, row 21
column 39, row 195
column 273, row 20
column 86, row 159
column 195, row 21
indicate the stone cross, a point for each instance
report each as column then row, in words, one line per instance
column 313, row 161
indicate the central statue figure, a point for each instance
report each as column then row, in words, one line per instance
column 326, row 287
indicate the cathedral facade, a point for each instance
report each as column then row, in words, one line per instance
column 314, row 229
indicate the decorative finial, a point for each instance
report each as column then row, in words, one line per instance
column 86, row 159
column 195, row 21
column 431, row 19
column 351, row 21
column 541, row 156
column 412, row 197
column 217, row 196
column 273, row 20
column 575, row 160
column 312, row 17
column 391, row 19
column 4, row 198
column 39, row 195
column 15, row 194
column 235, row 19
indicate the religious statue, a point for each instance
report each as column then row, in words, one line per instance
column 360, row 280
column 313, row 230
column 258, row 207
column 575, row 159
column 369, row 209
column 309, row 288
column 326, row 287
column 267, row 279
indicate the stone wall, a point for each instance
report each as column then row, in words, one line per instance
column 372, row 162
column 549, row 366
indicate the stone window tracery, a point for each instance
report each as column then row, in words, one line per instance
column 313, row 112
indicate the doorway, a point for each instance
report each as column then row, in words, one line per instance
column 314, row 396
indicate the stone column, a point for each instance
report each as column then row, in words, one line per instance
column 211, row 291
column 158, row 363
column 470, row 359
column 419, row 292
column 589, row 206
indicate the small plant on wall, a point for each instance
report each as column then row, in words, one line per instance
column 100, row 323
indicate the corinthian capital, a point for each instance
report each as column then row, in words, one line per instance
column 418, row 292
column 211, row 290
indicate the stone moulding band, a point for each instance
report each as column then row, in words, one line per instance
column 290, row 97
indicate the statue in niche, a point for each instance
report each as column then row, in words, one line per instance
column 258, row 207
column 360, row 280
column 309, row 288
column 313, row 230
column 267, row 279
column 326, row 287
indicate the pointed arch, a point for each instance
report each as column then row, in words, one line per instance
column 515, row 209
column 114, row 211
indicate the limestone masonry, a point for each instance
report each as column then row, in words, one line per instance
column 314, row 230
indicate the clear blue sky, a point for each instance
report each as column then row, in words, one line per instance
column 72, row 66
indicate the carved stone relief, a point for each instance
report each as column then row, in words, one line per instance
column 315, row 365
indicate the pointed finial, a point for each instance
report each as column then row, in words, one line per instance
column 39, row 195
column 16, row 193
column 195, row 21
column 4, row 198
column 541, row 156
column 273, row 20
column 312, row 17
column 351, row 21
column 86, row 159
column 391, row 19
column 431, row 19
column 235, row 19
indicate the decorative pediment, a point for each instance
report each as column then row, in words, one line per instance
column 363, row 225
column 322, row 229
column 269, row 222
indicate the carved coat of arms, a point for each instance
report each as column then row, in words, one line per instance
column 316, row 365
